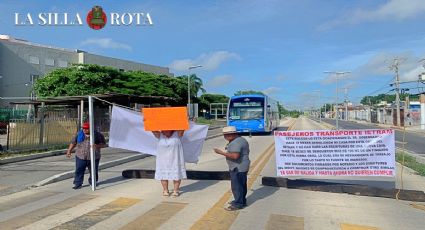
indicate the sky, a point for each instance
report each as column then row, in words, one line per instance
column 280, row 47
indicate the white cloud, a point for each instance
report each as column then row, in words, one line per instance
column 377, row 70
column 281, row 77
column 381, row 63
column 392, row 10
column 332, row 77
column 413, row 74
column 272, row 90
column 220, row 81
column 106, row 43
column 209, row 61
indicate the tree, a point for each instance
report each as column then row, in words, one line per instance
column 285, row 112
column 373, row 100
column 196, row 85
column 205, row 100
column 83, row 79
column 242, row 92
column 327, row 107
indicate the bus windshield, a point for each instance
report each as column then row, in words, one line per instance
column 246, row 109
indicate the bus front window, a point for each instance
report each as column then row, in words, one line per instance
column 246, row 113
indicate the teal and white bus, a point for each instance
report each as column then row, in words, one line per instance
column 253, row 113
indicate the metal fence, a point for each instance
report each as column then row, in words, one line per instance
column 50, row 128
column 10, row 113
column 40, row 134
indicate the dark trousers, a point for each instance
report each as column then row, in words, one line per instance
column 239, row 187
column 80, row 169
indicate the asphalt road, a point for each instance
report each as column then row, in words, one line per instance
column 414, row 142
column 19, row 176
column 120, row 203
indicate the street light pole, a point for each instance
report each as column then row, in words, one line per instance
column 320, row 107
column 337, row 73
column 188, row 90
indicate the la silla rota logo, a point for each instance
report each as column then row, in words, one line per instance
column 96, row 19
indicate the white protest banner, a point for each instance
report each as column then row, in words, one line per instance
column 127, row 132
column 335, row 152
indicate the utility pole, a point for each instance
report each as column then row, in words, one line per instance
column 395, row 67
column 320, row 108
column 346, row 103
column 369, row 110
column 189, row 106
column 326, row 105
column 337, row 73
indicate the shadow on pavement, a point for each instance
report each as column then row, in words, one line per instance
column 198, row 185
column 260, row 194
column 111, row 182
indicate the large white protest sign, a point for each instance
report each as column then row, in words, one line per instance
column 335, row 153
column 127, row 132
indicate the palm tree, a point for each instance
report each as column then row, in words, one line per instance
column 196, row 85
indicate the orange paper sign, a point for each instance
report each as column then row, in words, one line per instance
column 165, row 118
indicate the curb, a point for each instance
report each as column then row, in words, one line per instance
column 70, row 174
column 62, row 152
column 329, row 126
column 33, row 156
column 109, row 164
column 213, row 136
column 191, row 174
column 352, row 189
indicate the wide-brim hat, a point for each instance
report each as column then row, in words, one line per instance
column 229, row 130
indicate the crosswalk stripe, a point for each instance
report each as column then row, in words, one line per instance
column 42, row 213
column 98, row 215
column 277, row 221
column 155, row 217
column 209, row 220
column 418, row 206
column 345, row 226
column 9, row 204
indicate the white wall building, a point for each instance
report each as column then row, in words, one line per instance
column 23, row 62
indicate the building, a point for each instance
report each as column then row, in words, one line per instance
column 23, row 62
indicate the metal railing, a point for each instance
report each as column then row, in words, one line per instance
column 40, row 133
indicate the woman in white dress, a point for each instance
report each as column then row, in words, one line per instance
column 170, row 160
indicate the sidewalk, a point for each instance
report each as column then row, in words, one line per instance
column 411, row 128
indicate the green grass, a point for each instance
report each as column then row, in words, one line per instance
column 411, row 162
column 201, row 120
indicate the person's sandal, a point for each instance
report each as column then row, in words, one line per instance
column 175, row 194
column 231, row 208
column 165, row 193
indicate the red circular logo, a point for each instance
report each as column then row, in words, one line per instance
column 96, row 18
